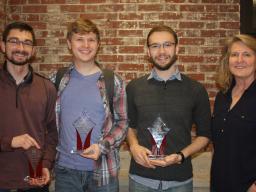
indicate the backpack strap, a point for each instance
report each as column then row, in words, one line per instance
column 109, row 82
column 60, row 73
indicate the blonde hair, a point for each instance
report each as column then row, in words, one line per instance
column 224, row 77
column 82, row 26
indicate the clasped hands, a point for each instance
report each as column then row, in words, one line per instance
column 92, row 152
column 140, row 155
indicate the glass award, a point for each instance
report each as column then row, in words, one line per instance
column 35, row 164
column 83, row 126
column 158, row 132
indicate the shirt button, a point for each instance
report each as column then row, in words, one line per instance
column 224, row 119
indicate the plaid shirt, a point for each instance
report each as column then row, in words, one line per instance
column 114, row 128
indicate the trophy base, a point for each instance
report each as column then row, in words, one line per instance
column 79, row 152
column 28, row 179
column 156, row 157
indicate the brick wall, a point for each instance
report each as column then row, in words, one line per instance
column 201, row 25
column 2, row 22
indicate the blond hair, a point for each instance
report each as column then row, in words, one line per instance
column 224, row 77
column 82, row 26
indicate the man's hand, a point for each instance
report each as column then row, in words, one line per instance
column 24, row 141
column 140, row 155
column 40, row 182
column 166, row 161
column 252, row 187
column 92, row 152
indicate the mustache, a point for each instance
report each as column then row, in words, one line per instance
column 24, row 53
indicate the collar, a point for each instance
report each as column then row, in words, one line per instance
column 175, row 75
column 27, row 79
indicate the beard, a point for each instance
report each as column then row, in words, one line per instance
column 165, row 67
column 12, row 59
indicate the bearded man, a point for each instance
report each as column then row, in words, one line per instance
column 28, row 133
column 162, row 107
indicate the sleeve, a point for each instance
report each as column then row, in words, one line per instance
column 132, row 112
column 202, row 113
column 5, row 144
column 120, row 123
column 51, row 134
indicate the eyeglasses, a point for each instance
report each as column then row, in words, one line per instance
column 16, row 42
column 165, row 45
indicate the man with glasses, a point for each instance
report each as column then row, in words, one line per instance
column 28, row 133
column 162, row 107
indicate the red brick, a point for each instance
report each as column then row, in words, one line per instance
column 40, row 42
column 34, row 9
column 143, row 58
column 130, row 33
column 213, row 1
column 192, row 8
column 191, row 68
column 14, row 17
column 168, row 16
column 72, row 8
column 32, row 17
column 230, row 25
column 209, row 16
column 111, row 58
column 53, row 1
column 92, row 1
column 50, row 67
column 213, row 33
column 191, row 24
column 131, row 67
column 62, row 41
column 208, row 68
column 16, row 2
column 196, row 76
column 105, row 8
column 191, row 41
column 191, row 59
column 38, row 25
column 97, row 16
column 130, row 16
column 57, row 33
column 229, row 8
column 131, row 49
column 150, row 7
column 112, row 41
column 211, row 59
column 212, row 50
column 211, row 8
column 14, row 9
column 34, row 1
column 65, row 58
column 174, row 1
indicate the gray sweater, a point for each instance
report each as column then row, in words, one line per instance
column 180, row 104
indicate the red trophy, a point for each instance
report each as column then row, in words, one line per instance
column 35, row 157
column 158, row 132
column 83, row 126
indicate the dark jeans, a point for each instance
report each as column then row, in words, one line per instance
column 137, row 187
column 41, row 189
column 70, row 180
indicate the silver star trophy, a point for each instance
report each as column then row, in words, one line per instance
column 158, row 131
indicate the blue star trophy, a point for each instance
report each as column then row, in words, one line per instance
column 158, row 132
